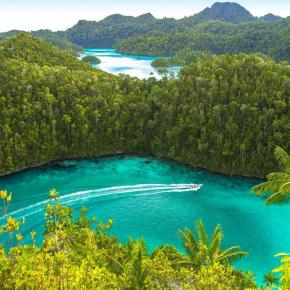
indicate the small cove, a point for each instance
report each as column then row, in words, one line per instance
column 154, row 198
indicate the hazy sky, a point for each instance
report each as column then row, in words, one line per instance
column 61, row 14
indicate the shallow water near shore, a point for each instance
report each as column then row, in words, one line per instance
column 154, row 198
column 134, row 65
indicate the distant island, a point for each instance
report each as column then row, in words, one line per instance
column 181, row 58
column 91, row 59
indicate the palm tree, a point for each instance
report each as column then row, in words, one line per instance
column 202, row 250
column 270, row 280
column 138, row 273
column 133, row 250
column 277, row 186
column 136, row 251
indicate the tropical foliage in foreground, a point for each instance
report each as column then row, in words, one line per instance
column 277, row 187
column 78, row 253
column 224, row 114
column 205, row 250
column 277, row 190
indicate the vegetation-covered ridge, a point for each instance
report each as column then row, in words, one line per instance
column 270, row 38
column 107, row 32
column 34, row 50
column 59, row 39
column 78, row 253
column 222, row 28
column 224, row 114
column 181, row 58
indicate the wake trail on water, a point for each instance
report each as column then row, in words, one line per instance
column 137, row 190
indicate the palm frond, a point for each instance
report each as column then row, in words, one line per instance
column 268, row 186
column 270, row 279
column 158, row 251
column 184, row 263
column 231, row 250
column 142, row 246
column 139, row 273
column 276, row 198
column 230, row 258
column 274, row 176
column 130, row 247
column 216, row 241
column 200, row 229
column 130, row 243
column 277, row 187
column 283, row 158
column 285, row 188
column 217, row 232
column 189, row 242
column 115, row 264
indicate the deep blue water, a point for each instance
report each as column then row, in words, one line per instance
column 152, row 198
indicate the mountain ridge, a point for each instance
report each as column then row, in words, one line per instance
column 225, row 11
column 114, row 28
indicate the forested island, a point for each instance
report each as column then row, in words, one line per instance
column 227, row 112
column 181, row 58
column 215, row 36
column 224, row 114
column 90, row 59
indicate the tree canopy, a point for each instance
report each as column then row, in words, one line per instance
column 91, row 59
column 31, row 49
column 219, row 37
column 224, row 114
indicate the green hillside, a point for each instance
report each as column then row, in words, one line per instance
column 271, row 38
column 224, row 113
column 218, row 115
column 226, row 11
column 31, row 49
column 58, row 39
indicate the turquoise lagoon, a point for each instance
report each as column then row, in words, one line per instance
column 154, row 198
column 133, row 65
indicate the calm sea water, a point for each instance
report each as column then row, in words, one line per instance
column 133, row 65
column 152, row 198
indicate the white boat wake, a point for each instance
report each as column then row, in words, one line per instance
column 131, row 190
